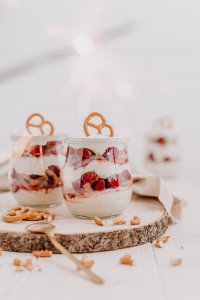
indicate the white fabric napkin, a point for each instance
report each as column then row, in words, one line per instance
column 150, row 185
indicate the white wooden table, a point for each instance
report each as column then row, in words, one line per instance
column 151, row 277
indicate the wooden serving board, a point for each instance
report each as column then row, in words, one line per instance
column 80, row 235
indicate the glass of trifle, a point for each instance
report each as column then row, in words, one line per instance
column 36, row 163
column 97, row 174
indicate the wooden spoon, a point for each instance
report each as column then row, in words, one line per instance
column 47, row 228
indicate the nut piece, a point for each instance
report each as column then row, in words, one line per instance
column 119, row 222
column 135, row 221
column 99, row 221
column 87, row 262
column 17, row 262
column 28, row 264
column 42, row 253
column 161, row 241
column 126, row 260
column 176, row 262
column 1, row 251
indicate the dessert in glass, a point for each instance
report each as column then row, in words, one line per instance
column 97, row 176
column 35, row 169
column 162, row 149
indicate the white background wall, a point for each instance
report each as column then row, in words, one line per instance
column 160, row 61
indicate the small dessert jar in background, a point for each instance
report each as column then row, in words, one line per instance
column 35, row 170
column 97, row 177
column 162, row 155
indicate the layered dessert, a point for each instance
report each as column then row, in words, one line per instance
column 97, row 177
column 162, row 150
column 35, row 170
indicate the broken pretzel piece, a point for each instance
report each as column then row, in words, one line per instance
column 126, row 260
column 42, row 253
column 17, row 262
column 119, row 222
column 161, row 241
column 135, row 221
column 176, row 262
column 99, row 221
column 88, row 263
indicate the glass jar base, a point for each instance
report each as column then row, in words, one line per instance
column 45, row 205
column 91, row 218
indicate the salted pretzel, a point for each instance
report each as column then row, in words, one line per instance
column 28, row 214
column 40, row 125
column 87, row 123
column 17, row 214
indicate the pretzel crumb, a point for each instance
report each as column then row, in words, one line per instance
column 19, row 268
column 135, row 221
column 161, row 241
column 39, row 270
column 176, row 262
column 99, row 221
column 119, row 222
column 88, row 263
column 1, row 251
column 28, row 264
column 17, row 262
column 126, row 260
column 42, row 253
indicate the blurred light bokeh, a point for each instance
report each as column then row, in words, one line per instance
column 132, row 80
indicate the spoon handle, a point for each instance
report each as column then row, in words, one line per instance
column 77, row 262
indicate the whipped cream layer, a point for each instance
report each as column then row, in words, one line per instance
column 103, row 169
column 36, row 165
column 161, row 151
column 169, row 134
column 101, row 204
column 39, row 198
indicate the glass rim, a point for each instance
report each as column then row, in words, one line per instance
column 58, row 136
column 97, row 140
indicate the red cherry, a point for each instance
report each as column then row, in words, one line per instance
column 53, row 152
column 100, row 186
column 70, row 150
column 38, row 150
column 113, row 181
column 51, row 144
column 80, row 152
column 111, row 154
column 77, row 186
column 55, row 169
column 126, row 175
column 161, row 141
column 26, row 153
column 87, row 153
column 151, row 157
column 167, row 158
column 90, row 177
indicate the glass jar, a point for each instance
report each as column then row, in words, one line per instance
column 35, row 170
column 97, row 177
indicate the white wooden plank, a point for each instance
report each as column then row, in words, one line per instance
column 182, row 282
column 60, row 280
